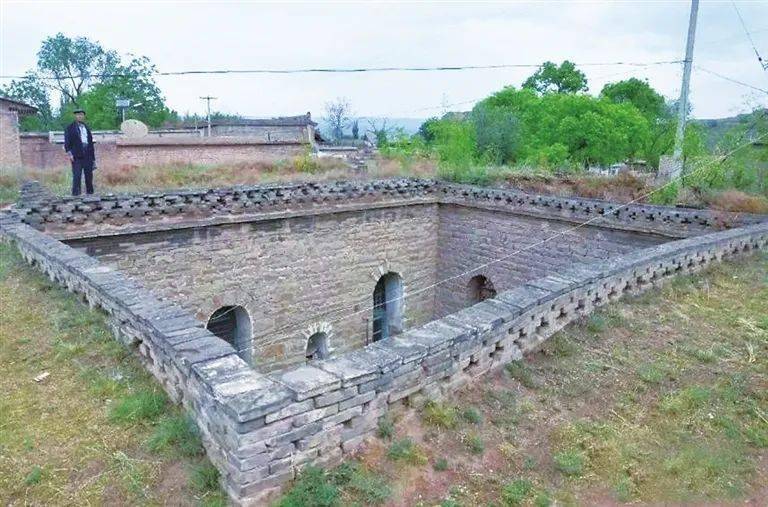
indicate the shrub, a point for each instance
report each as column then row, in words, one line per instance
column 569, row 462
column 141, row 406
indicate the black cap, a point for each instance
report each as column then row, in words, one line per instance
column 78, row 111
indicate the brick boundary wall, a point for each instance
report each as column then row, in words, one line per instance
column 100, row 215
column 261, row 429
column 36, row 152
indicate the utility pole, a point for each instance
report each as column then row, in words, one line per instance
column 208, row 100
column 682, row 104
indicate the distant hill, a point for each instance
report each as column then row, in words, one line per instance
column 715, row 129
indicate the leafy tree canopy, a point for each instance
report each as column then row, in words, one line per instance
column 83, row 74
column 638, row 93
column 551, row 78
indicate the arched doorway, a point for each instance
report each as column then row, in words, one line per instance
column 233, row 325
column 317, row 346
column 387, row 306
column 480, row 289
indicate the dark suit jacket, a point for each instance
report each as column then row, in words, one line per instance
column 74, row 145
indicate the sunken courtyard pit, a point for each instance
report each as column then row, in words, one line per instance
column 288, row 319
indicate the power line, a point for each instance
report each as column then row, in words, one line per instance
column 674, row 180
column 749, row 36
column 736, row 81
column 352, row 70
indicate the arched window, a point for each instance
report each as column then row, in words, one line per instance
column 480, row 289
column 317, row 346
column 387, row 306
column 233, row 325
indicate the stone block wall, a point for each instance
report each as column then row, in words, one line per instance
column 286, row 271
column 260, row 430
column 473, row 239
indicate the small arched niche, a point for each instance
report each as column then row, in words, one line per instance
column 317, row 346
column 233, row 325
column 387, row 306
column 480, row 289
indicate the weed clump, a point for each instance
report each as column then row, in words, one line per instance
column 386, row 428
column 570, row 463
column 520, row 371
column 516, row 492
column 440, row 414
column 405, row 450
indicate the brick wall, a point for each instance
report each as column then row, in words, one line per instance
column 286, row 271
column 10, row 151
column 38, row 153
column 472, row 237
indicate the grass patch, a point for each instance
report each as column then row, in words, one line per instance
column 34, row 476
column 350, row 481
column 475, row 443
column 204, row 478
column 521, row 372
column 516, row 492
column 440, row 464
column 143, row 406
column 177, row 433
column 650, row 373
column 405, row 450
column 89, row 457
column 386, row 428
column 440, row 414
column 569, row 462
column 472, row 415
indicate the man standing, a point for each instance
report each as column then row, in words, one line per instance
column 78, row 143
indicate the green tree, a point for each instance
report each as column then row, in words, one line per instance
column 551, row 78
column 640, row 94
column 134, row 82
column 72, row 65
column 30, row 90
column 86, row 75
column 497, row 133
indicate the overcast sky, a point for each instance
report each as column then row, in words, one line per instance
column 241, row 35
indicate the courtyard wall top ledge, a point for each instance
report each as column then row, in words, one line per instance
column 115, row 214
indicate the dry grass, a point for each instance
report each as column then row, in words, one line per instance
column 736, row 200
column 82, row 436
column 146, row 178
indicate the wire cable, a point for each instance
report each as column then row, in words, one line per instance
column 763, row 65
column 736, row 81
column 348, row 70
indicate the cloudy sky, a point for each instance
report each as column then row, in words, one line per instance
column 245, row 35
